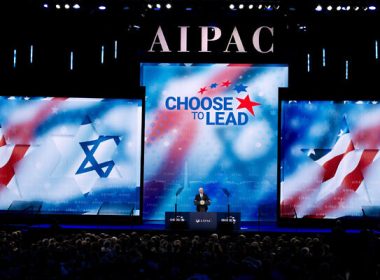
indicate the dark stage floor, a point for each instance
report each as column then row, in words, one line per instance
column 267, row 227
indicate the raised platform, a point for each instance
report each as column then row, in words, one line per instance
column 159, row 227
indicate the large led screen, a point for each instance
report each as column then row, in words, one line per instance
column 70, row 155
column 329, row 159
column 211, row 125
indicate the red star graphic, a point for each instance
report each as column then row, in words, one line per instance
column 226, row 84
column 247, row 104
column 202, row 90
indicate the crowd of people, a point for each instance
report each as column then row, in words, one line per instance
column 169, row 255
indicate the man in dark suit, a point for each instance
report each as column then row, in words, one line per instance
column 202, row 201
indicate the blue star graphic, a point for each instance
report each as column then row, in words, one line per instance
column 214, row 85
column 90, row 163
column 240, row 88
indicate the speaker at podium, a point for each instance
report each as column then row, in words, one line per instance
column 25, row 207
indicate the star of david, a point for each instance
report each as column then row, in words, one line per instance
column 90, row 163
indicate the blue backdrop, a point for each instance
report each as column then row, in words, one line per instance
column 211, row 125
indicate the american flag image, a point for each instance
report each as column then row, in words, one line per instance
column 334, row 181
column 21, row 135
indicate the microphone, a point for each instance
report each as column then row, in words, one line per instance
column 179, row 191
column 226, row 192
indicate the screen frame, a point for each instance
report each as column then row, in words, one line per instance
column 7, row 217
column 344, row 93
column 263, row 62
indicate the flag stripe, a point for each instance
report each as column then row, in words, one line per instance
column 339, row 148
column 350, row 184
column 331, row 165
column 7, row 171
column 2, row 141
column 368, row 137
column 300, row 196
column 330, row 168
column 24, row 133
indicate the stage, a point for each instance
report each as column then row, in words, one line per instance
column 159, row 227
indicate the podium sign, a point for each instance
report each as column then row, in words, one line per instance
column 203, row 220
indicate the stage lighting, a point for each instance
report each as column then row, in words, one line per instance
column 31, row 52
column 260, row 7
column 324, row 57
column 232, row 6
column 14, row 58
column 302, row 28
column 372, row 8
column 318, row 8
column 329, row 8
column 356, row 8
column 57, row 6
column 158, row 6
column 71, row 60
column 241, row 6
column 67, row 6
column 168, row 6
column 150, row 6
column 338, row 8
column 102, row 55
column 250, row 7
column 115, row 52
column 45, row 5
column 102, row 7
column 76, row 6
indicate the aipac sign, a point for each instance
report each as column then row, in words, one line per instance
column 212, row 39
column 216, row 104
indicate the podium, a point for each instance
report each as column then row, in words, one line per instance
column 202, row 204
column 202, row 221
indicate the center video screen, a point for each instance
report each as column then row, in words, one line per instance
column 329, row 159
column 77, row 156
column 212, row 126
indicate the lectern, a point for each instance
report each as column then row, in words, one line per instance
column 203, row 204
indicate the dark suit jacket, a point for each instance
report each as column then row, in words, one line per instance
column 197, row 199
